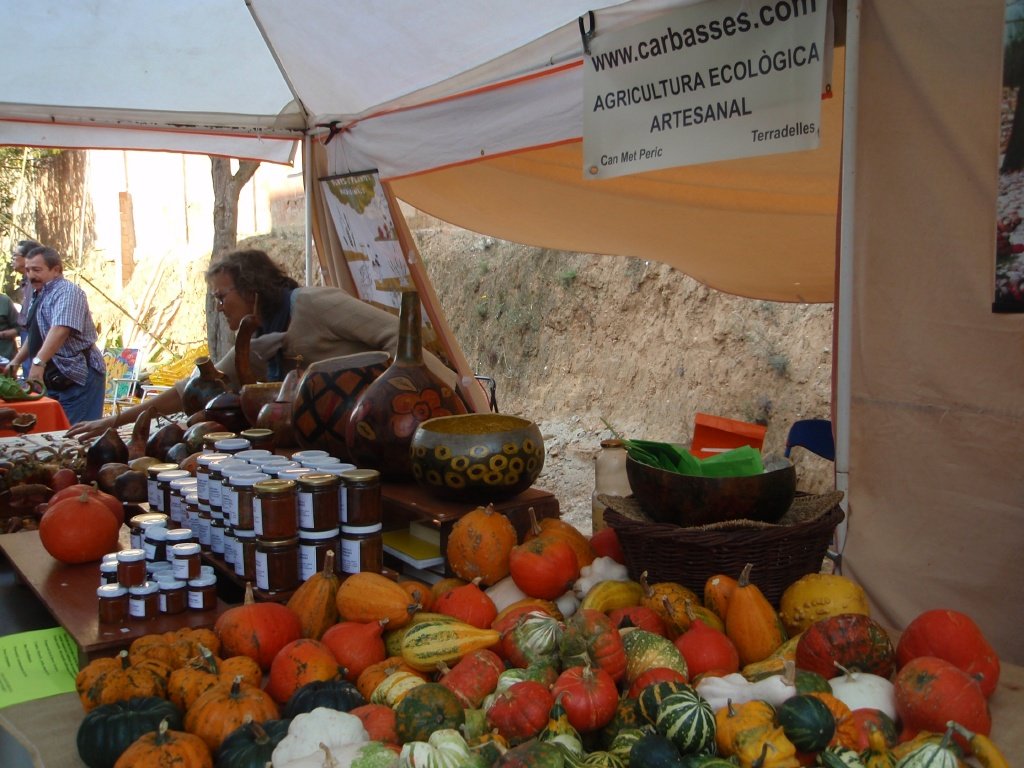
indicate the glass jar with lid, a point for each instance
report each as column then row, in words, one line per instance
column 113, row 603
column 163, row 484
column 275, row 509
column 137, row 525
column 144, row 600
column 277, row 564
column 237, row 496
column 362, row 506
column 314, row 549
column 259, row 438
column 318, row 501
column 252, row 454
column 155, row 543
column 216, row 479
column 232, row 445
column 210, row 439
column 179, row 488
column 153, row 494
column 362, row 548
column 245, row 553
column 202, row 593
column 609, row 478
column 203, row 473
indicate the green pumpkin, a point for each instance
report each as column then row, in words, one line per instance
column 109, row 730
column 532, row 754
column 645, row 650
column 251, row 745
column 687, row 721
column 340, row 695
column 706, row 761
column 930, row 756
column 624, row 741
column 807, row 722
column 650, row 698
column 841, row 757
column 811, row 682
column 627, row 715
column 655, row 751
column 426, row 709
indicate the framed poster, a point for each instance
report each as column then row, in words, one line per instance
column 369, row 239
column 1009, row 277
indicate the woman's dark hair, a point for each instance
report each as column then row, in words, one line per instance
column 255, row 274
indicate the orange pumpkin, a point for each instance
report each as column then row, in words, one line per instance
column 717, row 591
column 257, row 630
column 468, row 603
column 225, row 707
column 379, row 722
column 189, row 682
column 106, row 681
column 559, row 529
column 79, row 529
column 356, row 645
column 175, row 648
column 544, row 567
column 165, row 747
column 301, row 661
column 419, row 592
column 369, row 597
column 479, row 545
column 315, row 601
column 751, row 622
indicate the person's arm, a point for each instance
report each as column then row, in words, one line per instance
column 168, row 401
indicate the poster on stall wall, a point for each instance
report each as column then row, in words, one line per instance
column 710, row 81
column 368, row 237
column 1009, row 278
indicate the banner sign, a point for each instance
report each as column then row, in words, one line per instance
column 710, row 81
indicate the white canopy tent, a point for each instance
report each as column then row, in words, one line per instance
column 472, row 112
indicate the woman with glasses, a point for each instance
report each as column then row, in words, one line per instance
column 315, row 323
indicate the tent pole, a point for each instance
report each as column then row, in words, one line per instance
column 307, row 184
column 844, row 351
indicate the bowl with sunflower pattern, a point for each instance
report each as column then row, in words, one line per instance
column 477, row 456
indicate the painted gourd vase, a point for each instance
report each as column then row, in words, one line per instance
column 327, row 393
column 203, row 388
column 388, row 412
column 277, row 415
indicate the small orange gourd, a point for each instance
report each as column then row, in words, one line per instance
column 468, row 603
column 188, row 683
column 751, row 622
column 553, row 526
column 370, row 597
column 737, row 722
column 106, row 681
column 717, row 591
column 668, row 600
column 165, row 747
column 479, row 545
column 375, row 674
column 356, row 645
column 300, row 662
column 225, row 707
column 419, row 592
column 315, row 602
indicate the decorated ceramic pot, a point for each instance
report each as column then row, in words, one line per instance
column 477, row 456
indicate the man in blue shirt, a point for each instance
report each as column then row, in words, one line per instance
column 62, row 339
column 18, row 254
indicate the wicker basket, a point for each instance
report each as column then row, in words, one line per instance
column 781, row 553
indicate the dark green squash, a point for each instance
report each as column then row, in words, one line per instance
column 425, row 709
column 807, row 722
column 811, row 682
column 625, row 739
column 333, row 694
column 655, row 751
column 251, row 745
column 532, row 754
column 650, row 698
column 108, row 730
column 706, row 761
column 687, row 721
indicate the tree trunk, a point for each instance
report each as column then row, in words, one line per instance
column 226, row 188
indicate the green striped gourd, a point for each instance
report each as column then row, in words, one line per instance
column 431, row 642
column 688, row 722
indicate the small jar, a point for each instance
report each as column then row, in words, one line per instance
column 173, row 596
column 252, row 454
column 153, row 495
column 155, row 543
column 245, row 553
column 113, row 603
column 274, row 510
column 277, row 564
column 217, row 534
column 268, row 463
column 108, row 572
column 237, row 496
column 206, row 570
column 232, row 445
column 313, row 549
column 362, row 505
column 291, row 473
column 138, row 524
column 186, row 560
column 131, row 567
column 144, row 600
column 259, row 438
column 191, row 512
column 160, row 568
column 299, row 456
column 230, row 543
column 163, row 482
column 318, row 501
column 203, row 473
column 202, row 593
column 179, row 489
column 216, row 480
column 362, row 548
column 177, row 536
column 314, row 462
column 201, row 525
column 210, row 439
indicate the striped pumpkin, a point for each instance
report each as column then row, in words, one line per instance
column 687, row 721
column 427, row 644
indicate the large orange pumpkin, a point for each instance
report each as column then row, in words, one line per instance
column 544, row 567
column 257, row 630
column 80, row 529
column 300, row 662
column 479, row 545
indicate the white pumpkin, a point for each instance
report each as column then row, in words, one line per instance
column 860, row 690
column 444, row 749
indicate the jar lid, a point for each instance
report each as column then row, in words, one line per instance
column 248, row 480
column 311, row 454
column 256, row 433
column 111, row 590
column 360, row 530
column 336, row 469
column 110, row 557
column 291, row 541
column 178, row 534
column 131, row 555
column 155, row 469
column 156, row 533
column 211, row 438
column 612, row 442
column 232, row 444
column 361, row 476
column 320, row 461
column 171, row 474
column 291, row 473
column 108, row 565
column 184, row 482
column 317, row 535
column 205, row 459
column 245, row 533
column 192, row 499
column 206, row 570
column 318, row 480
column 145, row 588
column 274, row 486
column 273, row 461
column 147, row 518
column 185, row 549
column 169, row 584
column 158, row 566
column 253, row 453
column 205, row 580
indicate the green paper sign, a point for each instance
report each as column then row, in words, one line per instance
column 34, row 665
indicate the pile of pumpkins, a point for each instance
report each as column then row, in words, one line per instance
column 546, row 654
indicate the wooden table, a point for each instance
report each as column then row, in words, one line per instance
column 69, row 594
column 50, row 417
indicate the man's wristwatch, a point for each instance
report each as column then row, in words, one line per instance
column 38, row 361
